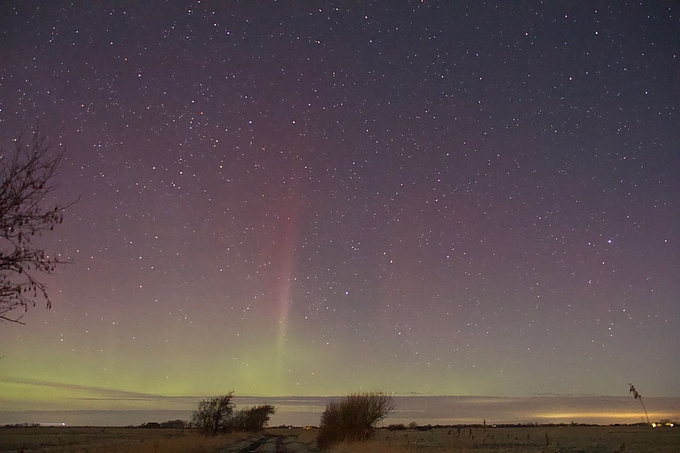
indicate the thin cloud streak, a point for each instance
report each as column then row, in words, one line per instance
column 105, row 393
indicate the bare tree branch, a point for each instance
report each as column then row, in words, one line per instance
column 26, row 178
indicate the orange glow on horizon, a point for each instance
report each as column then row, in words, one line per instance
column 605, row 415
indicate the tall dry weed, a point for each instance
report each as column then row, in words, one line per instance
column 637, row 396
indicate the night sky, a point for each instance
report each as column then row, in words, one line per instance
column 295, row 198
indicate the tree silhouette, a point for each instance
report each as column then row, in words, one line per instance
column 252, row 419
column 26, row 178
column 214, row 415
column 637, row 396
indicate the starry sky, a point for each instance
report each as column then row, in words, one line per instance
column 311, row 198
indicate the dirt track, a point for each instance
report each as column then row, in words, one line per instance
column 270, row 444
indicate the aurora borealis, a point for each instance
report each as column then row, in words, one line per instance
column 306, row 199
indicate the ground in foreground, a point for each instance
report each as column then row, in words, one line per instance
column 557, row 439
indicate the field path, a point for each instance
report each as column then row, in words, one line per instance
column 269, row 444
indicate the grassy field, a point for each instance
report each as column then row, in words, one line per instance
column 584, row 439
column 110, row 440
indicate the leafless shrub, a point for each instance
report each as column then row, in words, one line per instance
column 353, row 418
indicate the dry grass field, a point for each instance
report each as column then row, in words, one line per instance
column 110, row 440
column 564, row 439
